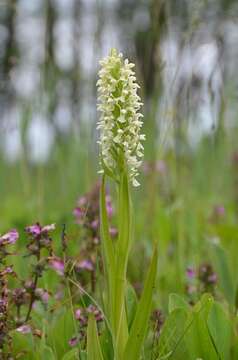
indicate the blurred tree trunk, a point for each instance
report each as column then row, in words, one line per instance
column 10, row 55
column 76, row 69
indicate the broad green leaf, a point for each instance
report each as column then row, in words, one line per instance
column 198, row 339
column 140, row 323
column 45, row 353
column 94, row 351
column 71, row 355
column 220, row 330
column 61, row 329
column 177, row 302
column 22, row 345
column 225, row 279
column 171, row 340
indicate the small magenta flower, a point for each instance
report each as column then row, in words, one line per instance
column 57, row 264
column 78, row 314
column 191, row 273
column 24, row 329
column 34, row 230
column 120, row 121
column 9, row 238
column 43, row 295
column 85, row 265
column 74, row 341
column 95, row 224
column 109, row 206
column 79, row 213
column 48, row 228
column 219, row 210
column 113, row 231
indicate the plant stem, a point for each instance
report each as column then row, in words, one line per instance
column 33, row 290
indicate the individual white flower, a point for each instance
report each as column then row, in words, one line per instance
column 120, row 120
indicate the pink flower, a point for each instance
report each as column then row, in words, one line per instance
column 9, row 238
column 95, row 224
column 78, row 314
column 43, row 295
column 219, row 210
column 79, row 213
column 81, row 317
column 7, row 270
column 73, row 341
column 57, row 264
column 82, row 201
column 161, row 167
column 48, row 228
column 113, row 231
column 85, row 265
column 190, row 273
column 109, row 207
column 34, row 230
column 24, row 329
column 97, row 313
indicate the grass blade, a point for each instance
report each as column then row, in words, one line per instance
column 94, row 351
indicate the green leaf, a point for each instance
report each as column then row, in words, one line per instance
column 198, row 339
column 220, row 330
column 131, row 305
column 71, row 355
column 177, row 302
column 225, row 279
column 140, row 323
column 61, row 329
column 94, row 351
column 172, row 335
column 45, row 353
column 22, row 344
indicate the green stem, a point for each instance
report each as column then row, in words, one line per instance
column 108, row 256
column 122, row 252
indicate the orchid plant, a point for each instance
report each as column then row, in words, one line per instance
column 121, row 153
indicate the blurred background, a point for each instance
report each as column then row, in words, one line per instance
column 186, row 55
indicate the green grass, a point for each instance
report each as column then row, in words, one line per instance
column 175, row 210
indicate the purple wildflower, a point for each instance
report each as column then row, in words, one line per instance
column 109, row 206
column 97, row 313
column 190, row 273
column 95, row 224
column 7, row 270
column 9, row 238
column 85, row 265
column 42, row 294
column 34, row 230
column 48, row 228
column 24, row 329
column 219, row 210
column 113, row 231
column 73, row 341
column 82, row 201
column 161, row 167
column 57, row 264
